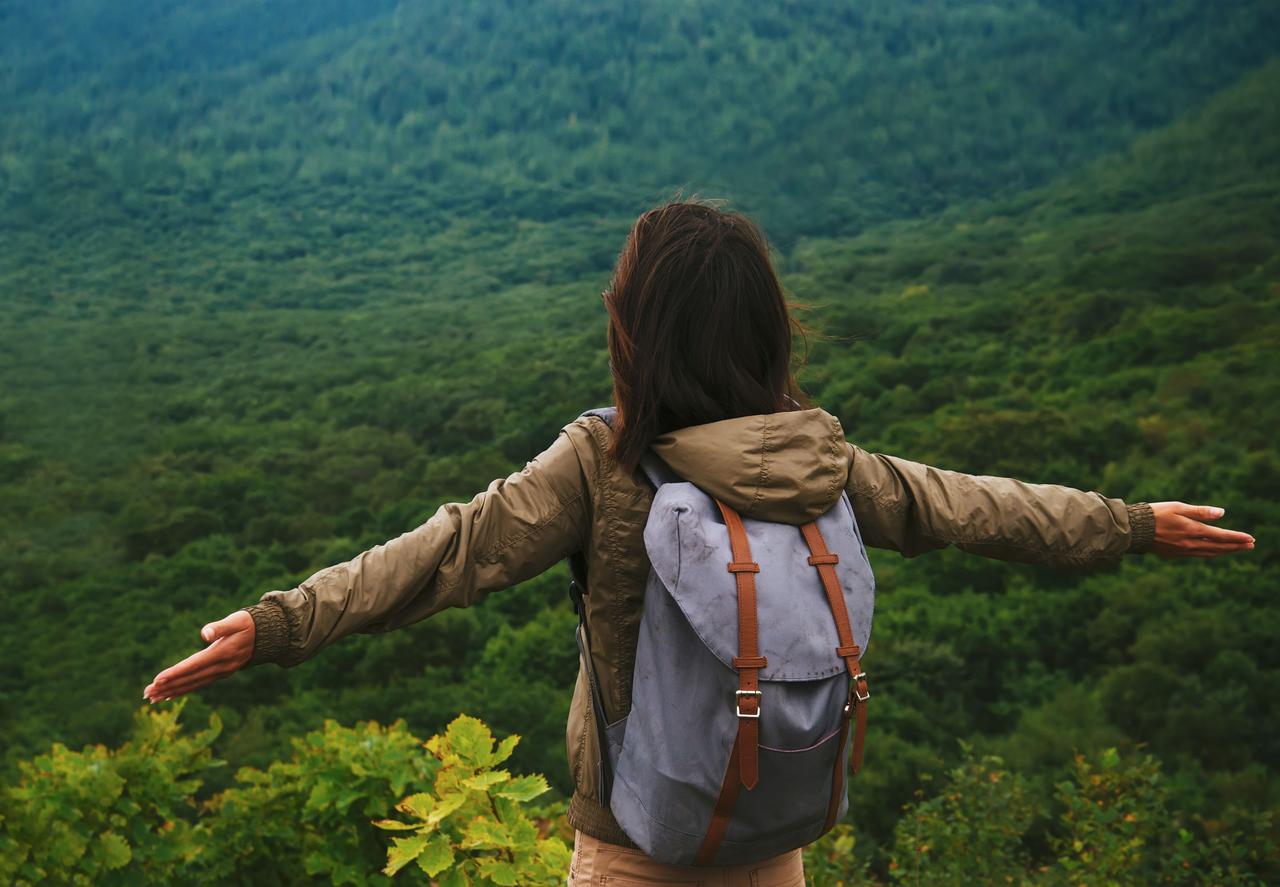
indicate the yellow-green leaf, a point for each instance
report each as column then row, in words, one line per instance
column 470, row 739
column 436, row 856
column 404, row 851
column 394, row 825
column 418, row 805
column 454, row 877
column 487, row 834
column 322, row 796
column 500, row 872
column 487, row 780
column 505, row 748
column 444, row 807
column 114, row 849
column 523, row 788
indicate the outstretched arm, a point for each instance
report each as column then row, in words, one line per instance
column 913, row 508
column 514, row 530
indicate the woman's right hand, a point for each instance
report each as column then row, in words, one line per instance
column 230, row 647
column 1181, row 532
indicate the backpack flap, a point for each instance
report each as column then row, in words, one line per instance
column 689, row 549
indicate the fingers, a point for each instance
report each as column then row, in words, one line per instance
column 157, row 692
column 222, row 657
column 1198, row 547
column 210, row 655
column 167, row 688
column 1194, row 514
column 228, row 625
column 1219, row 534
column 1200, row 512
column 219, row 635
column 1213, row 549
column 1204, row 552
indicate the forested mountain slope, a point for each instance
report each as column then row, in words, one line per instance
column 823, row 117
column 1116, row 331
column 235, row 352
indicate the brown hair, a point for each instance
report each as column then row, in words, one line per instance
column 699, row 328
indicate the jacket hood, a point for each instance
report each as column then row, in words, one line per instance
column 788, row 467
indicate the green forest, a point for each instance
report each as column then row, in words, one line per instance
column 280, row 279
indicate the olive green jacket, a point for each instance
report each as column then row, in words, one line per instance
column 788, row 467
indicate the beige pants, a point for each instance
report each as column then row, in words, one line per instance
column 598, row 863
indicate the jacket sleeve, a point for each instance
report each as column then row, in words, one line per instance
column 913, row 508
column 514, row 530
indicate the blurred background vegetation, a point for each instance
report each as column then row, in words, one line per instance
column 279, row 279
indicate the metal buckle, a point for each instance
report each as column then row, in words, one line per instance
column 853, row 692
column 738, row 694
column 860, row 676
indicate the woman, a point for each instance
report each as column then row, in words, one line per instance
column 700, row 344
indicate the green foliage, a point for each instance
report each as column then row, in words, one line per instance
column 1118, row 829
column 470, row 822
column 136, row 815
column 831, row 862
column 311, row 813
column 125, row 816
column 975, row 821
column 1115, row 828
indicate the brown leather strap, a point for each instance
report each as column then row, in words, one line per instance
column 748, row 662
column 825, row 563
column 837, row 774
column 744, row 761
column 860, row 723
column 723, row 810
column 855, row 706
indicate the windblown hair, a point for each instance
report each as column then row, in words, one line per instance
column 699, row 328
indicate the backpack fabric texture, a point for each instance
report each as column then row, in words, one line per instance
column 735, row 747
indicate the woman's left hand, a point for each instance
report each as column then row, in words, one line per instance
column 230, row 647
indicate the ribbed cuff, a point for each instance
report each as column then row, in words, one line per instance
column 1142, row 527
column 270, row 634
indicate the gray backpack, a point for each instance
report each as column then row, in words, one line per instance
column 746, row 679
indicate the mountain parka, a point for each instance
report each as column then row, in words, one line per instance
column 787, row 466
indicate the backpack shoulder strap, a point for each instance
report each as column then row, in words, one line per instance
column 606, row 413
column 856, row 705
column 657, row 471
column 577, row 593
